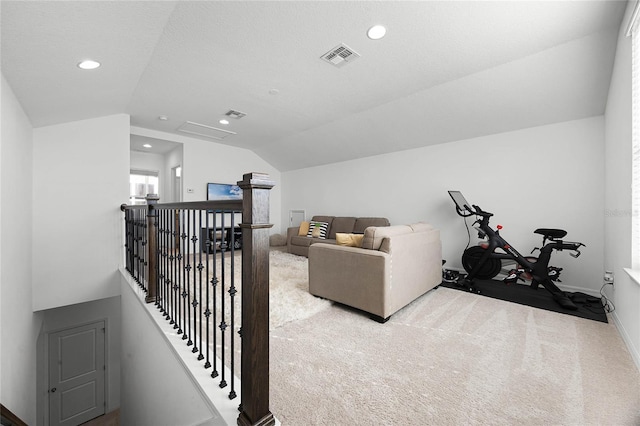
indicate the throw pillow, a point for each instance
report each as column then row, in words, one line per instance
column 349, row 240
column 304, row 229
column 318, row 230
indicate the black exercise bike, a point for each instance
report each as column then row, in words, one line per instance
column 484, row 262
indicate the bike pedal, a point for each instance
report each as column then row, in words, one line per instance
column 513, row 277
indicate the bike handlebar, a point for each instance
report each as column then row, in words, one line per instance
column 467, row 211
column 481, row 212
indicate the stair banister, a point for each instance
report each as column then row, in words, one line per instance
column 254, row 408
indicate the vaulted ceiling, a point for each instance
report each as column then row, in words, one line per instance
column 445, row 71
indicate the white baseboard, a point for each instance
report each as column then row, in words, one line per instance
column 635, row 354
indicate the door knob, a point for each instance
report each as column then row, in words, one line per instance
column 53, row 390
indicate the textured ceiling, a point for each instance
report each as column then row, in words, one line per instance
column 445, row 71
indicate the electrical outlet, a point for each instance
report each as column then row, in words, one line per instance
column 189, row 190
column 608, row 277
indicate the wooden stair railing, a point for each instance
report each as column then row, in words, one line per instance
column 147, row 241
column 10, row 419
column 255, row 301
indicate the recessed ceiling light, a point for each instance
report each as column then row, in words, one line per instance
column 376, row 32
column 146, row 145
column 223, row 121
column 88, row 65
column 163, row 117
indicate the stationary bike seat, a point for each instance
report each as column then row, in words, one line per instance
column 551, row 233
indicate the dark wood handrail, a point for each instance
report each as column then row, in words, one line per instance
column 12, row 418
column 197, row 205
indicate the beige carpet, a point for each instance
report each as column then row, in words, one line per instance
column 452, row 358
column 289, row 298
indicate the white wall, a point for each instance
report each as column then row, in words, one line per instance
column 210, row 162
column 80, row 178
column 549, row 176
column 617, row 242
column 20, row 325
column 156, row 390
column 205, row 161
column 172, row 159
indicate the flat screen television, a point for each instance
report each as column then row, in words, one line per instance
column 223, row 191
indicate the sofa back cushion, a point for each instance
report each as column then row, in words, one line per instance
column 326, row 219
column 421, row 227
column 343, row 225
column 363, row 223
column 374, row 235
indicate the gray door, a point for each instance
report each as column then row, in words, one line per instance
column 77, row 374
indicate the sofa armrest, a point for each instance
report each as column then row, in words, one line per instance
column 353, row 276
column 290, row 233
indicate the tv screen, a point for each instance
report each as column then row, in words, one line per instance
column 223, row 191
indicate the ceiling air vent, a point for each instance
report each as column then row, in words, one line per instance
column 340, row 55
column 203, row 130
column 235, row 114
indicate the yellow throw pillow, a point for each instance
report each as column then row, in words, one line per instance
column 349, row 240
column 304, row 229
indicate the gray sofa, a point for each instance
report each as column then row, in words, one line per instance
column 299, row 244
column 394, row 266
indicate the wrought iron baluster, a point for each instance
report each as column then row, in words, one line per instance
column 200, row 268
column 127, row 238
column 194, row 302
column 207, row 312
column 139, row 253
column 135, row 246
column 169, row 253
column 223, row 324
column 186, row 289
column 232, row 294
column 143, row 252
column 165, row 263
column 181, row 293
column 159, row 266
column 214, row 284
column 173, row 260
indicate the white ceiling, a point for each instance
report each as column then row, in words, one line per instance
column 447, row 70
column 158, row 146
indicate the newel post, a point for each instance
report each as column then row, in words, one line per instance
column 152, row 248
column 255, row 301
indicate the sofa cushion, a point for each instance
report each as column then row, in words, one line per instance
column 327, row 219
column 342, row 225
column 421, row 227
column 363, row 223
column 306, row 241
column 318, row 230
column 374, row 235
column 349, row 240
column 304, row 228
column 298, row 240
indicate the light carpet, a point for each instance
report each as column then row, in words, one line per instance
column 289, row 297
column 452, row 358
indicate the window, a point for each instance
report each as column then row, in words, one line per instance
column 142, row 183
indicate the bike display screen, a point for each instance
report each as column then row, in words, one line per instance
column 460, row 201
